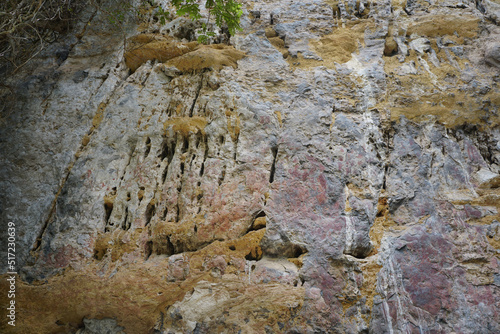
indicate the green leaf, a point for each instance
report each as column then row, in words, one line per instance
column 203, row 39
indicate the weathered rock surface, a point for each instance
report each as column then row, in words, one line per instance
column 344, row 178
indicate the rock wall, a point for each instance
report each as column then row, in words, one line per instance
column 344, row 178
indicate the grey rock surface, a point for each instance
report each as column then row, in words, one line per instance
column 319, row 187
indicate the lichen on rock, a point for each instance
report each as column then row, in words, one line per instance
column 337, row 171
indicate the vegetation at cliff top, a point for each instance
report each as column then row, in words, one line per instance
column 27, row 26
column 225, row 13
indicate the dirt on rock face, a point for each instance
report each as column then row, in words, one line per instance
column 335, row 170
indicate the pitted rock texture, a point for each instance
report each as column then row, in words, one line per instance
column 343, row 178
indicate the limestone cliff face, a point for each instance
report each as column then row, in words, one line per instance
column 342, row 177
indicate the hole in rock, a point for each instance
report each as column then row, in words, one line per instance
column 274, row 151
column 148, row 250
column 222, row 176
column 254, row 255
column 202, row 169
column 108, row 209
column 125, row 224
column 140, row 193
column 185, row 145
column 167, row 151
column 259, row 221
column 150, row 212
column 148, row 147
column 297, row 251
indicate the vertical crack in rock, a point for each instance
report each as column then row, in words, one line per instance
column 350, row 232
column 143, row 82
column 170, row 109
column 191, row 161
column 109, row 201
column 129, row 160
column 235, row 148
column 205, row 154
column 165, row 213
column 167, row 152
column 179, row 192
column 222, row 175
column 148, row 250
column 38, row 242
column 185, row 144
column 384, row 182
column 125, row 223
column 164, row 174
column 274, row 151
column 480, row 6
column 150, row 211
column 200, row 86
column 148, row 147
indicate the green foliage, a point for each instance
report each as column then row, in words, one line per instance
column 224, row 12
column 163, row 15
